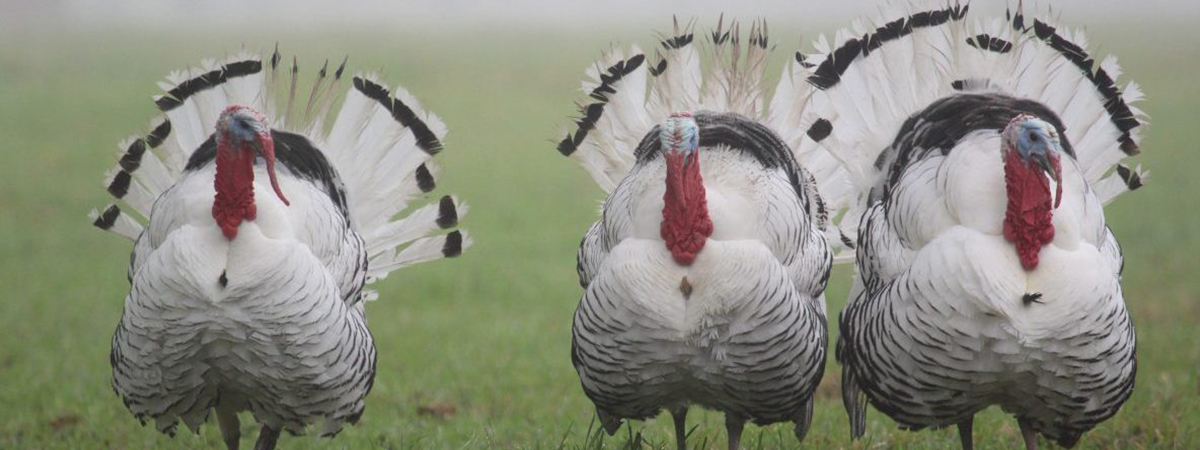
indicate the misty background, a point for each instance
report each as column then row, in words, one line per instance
column 52, row 16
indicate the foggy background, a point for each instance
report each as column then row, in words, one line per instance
column 83, row 15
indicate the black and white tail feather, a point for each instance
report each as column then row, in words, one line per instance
column 631, row 95
column 381, row 143
column 878, row 73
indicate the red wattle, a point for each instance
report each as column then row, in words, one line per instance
column 686, row 224
column 234, row 184
column 1028, row 218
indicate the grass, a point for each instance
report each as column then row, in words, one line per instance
column 484, row 339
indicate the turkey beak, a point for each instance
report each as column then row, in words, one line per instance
column 265, row 145
column 1051, row 167
column 1043, row 162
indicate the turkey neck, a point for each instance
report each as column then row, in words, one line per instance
column 234, row 183
column 1028, row 218
column 686, row 224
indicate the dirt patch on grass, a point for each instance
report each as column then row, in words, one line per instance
column 64, row 421
column 437, row 410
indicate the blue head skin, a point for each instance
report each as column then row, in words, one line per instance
column 241, row 125
column 680, row 135
column 1035, row 141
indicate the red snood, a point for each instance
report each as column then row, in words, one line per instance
column 234, row 183
column 1028, row 217
column 686, row 224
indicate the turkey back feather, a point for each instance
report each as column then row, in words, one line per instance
column 379, row 150
column 880, row 73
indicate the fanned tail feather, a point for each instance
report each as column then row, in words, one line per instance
column 630, row 94
column 381, row 143
column 116, row 221
column 880, row 73
column 421, row 250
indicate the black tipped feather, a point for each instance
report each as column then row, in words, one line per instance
column 677, row 42
column 614, row 74
column 592, row 112
column 1119, row 112
column 180, row 93
column 337, row 74
column 820, row 130
column 447, row 213
column 275, row 57
column 107, row 218
column 453, row 245
column 425, row 179
column 120, row 184
column 591, row 115
column 1131, row 178
column 985, row 42
column 829, row 73
column 132, row 159
column 659, row 69
column 403, row 114
column 160, row 133
column 803, row 60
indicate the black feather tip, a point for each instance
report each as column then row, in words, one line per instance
column 120, row 184
column 659, row 69
column 403, row 114
column 585, row 124
column 132, row 159
column 425, row 179
column 820, row 130
column 1131, row 178
column 213, row 78
column 447, row 213
column 453, row 245
column 107, row 218
column 829, row 73
column 160, row 133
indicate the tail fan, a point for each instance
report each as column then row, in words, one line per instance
column 882, row 72
column 381, row 143
column 630, row 94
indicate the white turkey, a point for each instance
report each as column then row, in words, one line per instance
column 978, row 157
column 262, row 228
column 704, row 278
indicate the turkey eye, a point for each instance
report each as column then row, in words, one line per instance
column 1033, row 138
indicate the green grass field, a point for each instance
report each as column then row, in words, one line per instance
column 483, row 340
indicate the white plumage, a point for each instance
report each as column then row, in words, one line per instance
column 271, row 321
column 741, row 327
column 945, row 319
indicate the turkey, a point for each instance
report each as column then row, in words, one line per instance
column 978, row 157
column 256, row 229
column 704, row 277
